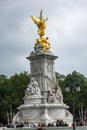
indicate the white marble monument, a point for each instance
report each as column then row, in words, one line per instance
column 43, row 100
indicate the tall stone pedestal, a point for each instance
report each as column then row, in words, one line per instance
column 43, row 100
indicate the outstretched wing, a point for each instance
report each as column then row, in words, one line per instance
column 35, row 20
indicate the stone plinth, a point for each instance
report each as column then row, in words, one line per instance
column 32, row 100
column 43, row 100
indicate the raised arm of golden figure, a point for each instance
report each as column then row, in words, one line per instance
column 40, row 22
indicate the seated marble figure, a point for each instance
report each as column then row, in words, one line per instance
column 33, row 88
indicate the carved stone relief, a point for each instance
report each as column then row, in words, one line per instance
column 49, row 66
column 36, row 71
column 33, row 88
column 54, row 92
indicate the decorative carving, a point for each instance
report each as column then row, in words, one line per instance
column 36, row 71
column 55, row 96
column 49, row 67
column 54, row 93
column 68, row 114
column 59, row 95
column 52, row 96
column 33, row 88
column 44, row 43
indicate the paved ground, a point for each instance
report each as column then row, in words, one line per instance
column 1, row 128
column 48, row 128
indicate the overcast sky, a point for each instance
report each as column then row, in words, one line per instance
column 66, row 29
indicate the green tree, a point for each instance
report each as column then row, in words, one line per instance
column 18, row 83
column 80, row 97
column 11, row 93
column 4, row 91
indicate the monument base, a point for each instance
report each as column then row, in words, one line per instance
column 43, row 113
column 43, row 100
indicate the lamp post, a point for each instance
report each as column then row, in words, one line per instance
column 73, row 87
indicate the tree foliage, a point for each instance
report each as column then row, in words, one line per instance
column 80, row 97
column 11, row 93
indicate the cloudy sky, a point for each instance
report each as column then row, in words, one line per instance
column 66, row 29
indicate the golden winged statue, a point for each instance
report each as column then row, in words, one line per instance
column 40, row 22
